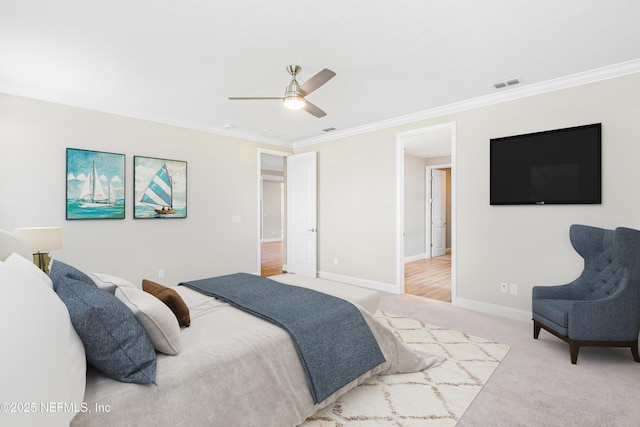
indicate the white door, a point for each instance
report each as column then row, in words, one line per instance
column 302, row 230
column 438, row 212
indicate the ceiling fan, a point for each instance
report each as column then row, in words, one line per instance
column 294, row 93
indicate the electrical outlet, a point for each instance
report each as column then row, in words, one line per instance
column 335, row 261
column 160, row 274
column 513, row 289
column 504, row 287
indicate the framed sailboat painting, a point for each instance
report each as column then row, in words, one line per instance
column 160, row 188
column 95, row 185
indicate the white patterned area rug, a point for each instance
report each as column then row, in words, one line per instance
column 437, row 396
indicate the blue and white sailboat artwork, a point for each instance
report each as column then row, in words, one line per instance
column 159, row 192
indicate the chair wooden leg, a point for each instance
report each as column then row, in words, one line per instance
column 574, row 345
column 574, row 349
column 634, row 352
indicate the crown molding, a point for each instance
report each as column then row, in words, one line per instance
column 504, row 95
column 43, row 96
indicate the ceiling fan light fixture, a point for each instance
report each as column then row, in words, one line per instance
column 292, row 98
column 294, row 102
column 294, row 94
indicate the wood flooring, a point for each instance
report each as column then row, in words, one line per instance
column 429, row 278
column 272, row 258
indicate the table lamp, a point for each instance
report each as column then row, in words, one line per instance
column 40, row 240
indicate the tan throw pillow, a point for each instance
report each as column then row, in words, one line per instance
column 171, row 298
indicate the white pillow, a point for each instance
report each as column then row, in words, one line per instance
column 23, row 264
column 156, row 318
column 46, row 360
column 110, row 283
column 77, row 366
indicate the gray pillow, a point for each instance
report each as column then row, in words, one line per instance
column 114, row 340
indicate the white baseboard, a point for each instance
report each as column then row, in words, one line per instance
column 365, row 283
column 415, row 258
column 494, row 309
column 482, row 307
column 275, row 239
column 418, row 257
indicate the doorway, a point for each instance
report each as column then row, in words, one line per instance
column 272, row 208
column 429, row 273
column 426, row 242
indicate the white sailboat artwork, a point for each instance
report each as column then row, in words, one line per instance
column 95, row 184
column 93, row 195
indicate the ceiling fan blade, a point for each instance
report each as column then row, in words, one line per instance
column 316, row 81
column 251, row 98
column 312, row 109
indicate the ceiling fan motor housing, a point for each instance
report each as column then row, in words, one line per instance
column 293, row 99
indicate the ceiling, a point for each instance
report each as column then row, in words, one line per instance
column 177, row 62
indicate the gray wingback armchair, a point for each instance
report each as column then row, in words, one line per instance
column 601, row 307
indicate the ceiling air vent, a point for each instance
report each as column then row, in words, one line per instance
column 510, row 82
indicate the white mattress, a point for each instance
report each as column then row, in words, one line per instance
column 233, row 369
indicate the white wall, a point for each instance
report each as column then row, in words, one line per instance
column 529, row 245
column 356, row 207
column 414, row 208
column 525, row 245
column 272, row 210
column 222, row 182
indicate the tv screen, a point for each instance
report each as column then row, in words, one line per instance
column 559, row 166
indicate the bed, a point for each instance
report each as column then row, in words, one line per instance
column 228, row 367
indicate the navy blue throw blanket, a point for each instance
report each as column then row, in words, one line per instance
column 333, row 340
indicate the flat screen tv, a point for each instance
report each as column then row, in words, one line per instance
column 559, row 166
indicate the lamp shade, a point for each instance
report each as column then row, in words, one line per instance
column 40, row 239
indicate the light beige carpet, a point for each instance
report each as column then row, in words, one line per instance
column 435, row 397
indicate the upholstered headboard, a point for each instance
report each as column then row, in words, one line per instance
column 9, row 244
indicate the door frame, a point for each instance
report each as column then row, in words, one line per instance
column 283, row 154
column 400, row 137
column 427, row 238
